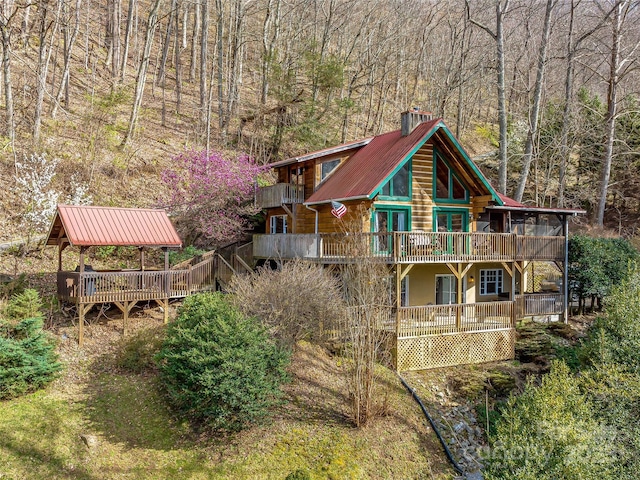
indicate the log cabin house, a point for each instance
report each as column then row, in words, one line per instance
column 461, row 253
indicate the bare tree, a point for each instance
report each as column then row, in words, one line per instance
column 621, row 63
column 48, row 27
column 142, row 70
column 70, row 34
column 366, row 286
column 502, row 8
column 127, row 37
column 534, row 112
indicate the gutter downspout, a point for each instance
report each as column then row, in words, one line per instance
column 318, row 249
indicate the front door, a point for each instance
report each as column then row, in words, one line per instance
column 446, row 291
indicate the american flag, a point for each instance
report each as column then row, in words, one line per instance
column 338, row 209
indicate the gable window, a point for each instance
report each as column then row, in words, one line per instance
column 327, row 167
column 491, row 282
column 447, row 184
column 278, row 224
column 398, row 185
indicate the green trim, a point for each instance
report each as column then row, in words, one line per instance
column 473, row 166
column 400, row 166
column 388, row 209
column 449, row 211
column 434, row 182
column 408, row 156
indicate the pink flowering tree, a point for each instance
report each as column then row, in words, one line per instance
column 211, row 195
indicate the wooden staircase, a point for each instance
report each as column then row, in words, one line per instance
column 234, row 259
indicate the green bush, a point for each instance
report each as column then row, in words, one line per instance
column 24, row 305
column 27, row 358
column 549, row 432
column 179, row 256
column 219, row 367
column 597, row 264
column 615, row 336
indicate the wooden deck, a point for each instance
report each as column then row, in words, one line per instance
column 127, row 286
column 410, row 247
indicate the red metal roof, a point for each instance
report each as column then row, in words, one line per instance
column 369, row 166
column 510, row 202
column 90, row 225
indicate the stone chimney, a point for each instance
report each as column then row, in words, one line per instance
column 413, row 118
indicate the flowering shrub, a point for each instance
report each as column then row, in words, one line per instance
column 210, row 195
column 34, row 177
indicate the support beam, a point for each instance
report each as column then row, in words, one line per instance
column 125, row 307
column 83, row 309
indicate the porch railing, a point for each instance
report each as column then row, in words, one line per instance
column 533, row 304
column 409, row 247
column 442, row 319
column 278, row 194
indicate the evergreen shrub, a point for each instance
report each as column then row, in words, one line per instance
column 218, row 367
column 28, row 360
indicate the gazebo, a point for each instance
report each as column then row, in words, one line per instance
column 88, row 226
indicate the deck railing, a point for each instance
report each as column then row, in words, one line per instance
column 469, row 317
column 278, row 194
column 533, row 304
column 409, row 247
column 121, row 286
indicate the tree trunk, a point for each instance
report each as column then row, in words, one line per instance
column 69, row 42
column 142, row 69
column 610, row 131
column 204, row 54
column 47, row 27
column 498, row 37
column 127, row 38
column 502, row 104
column 5, row 34
column 537, row 95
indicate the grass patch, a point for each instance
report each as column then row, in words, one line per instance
column 138, row 437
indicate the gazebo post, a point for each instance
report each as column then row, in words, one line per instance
column 141, row 249
column 82, row 293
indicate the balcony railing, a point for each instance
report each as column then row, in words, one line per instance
column 409, row 247
column 279, row 194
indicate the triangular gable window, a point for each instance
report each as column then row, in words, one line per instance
column 398, row 187
column 447, row 185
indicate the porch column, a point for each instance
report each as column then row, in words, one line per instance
column 565, row 271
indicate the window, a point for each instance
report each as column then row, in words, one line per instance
column 447, row 185
column 491, row 282
column 398, row 186
column 297, row 175
column 327, row 167
column 278, row 224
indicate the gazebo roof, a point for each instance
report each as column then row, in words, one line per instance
column 81, row 225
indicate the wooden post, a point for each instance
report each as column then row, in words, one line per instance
column 141, row 258
column 80, row 324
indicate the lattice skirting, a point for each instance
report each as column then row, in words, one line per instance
column 431, row 351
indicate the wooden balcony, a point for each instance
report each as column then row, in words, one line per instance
column 279, row 194
column 409, row 247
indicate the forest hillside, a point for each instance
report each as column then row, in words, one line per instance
column 97, row 97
